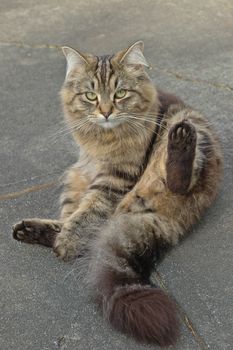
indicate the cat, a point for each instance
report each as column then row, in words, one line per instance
column 149, row 166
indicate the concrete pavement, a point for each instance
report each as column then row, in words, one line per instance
column 189, row 45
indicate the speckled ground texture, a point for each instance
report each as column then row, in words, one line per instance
column 190, row 47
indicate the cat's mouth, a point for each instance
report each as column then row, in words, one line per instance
column 108, row 123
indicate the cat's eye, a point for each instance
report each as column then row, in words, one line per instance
column 91, row 96
column 120, row 93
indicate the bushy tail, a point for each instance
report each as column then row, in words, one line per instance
column 127, row 299
column 141, row 311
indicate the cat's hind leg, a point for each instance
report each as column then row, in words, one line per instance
column 37, row 231
column 182, row 139
column 192, row 156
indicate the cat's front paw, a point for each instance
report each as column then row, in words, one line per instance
column 66, row 246
column 40, row 231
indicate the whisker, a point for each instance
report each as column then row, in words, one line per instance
column 144, row 127
column 73, row 127
column 70, row 124
column 149, row 121
column 133, row 128
column 150, row 118
column 154, row 115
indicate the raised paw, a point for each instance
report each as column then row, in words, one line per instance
column 182, row 136
column 66, row 246
column 181, row 153
column 37, row 231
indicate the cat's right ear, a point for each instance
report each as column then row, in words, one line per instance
column 75, row 60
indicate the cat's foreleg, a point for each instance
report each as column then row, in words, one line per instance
column 94, row 210
column 76, row 182
column 44, row 231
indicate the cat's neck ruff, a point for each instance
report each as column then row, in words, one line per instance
column 115, row 143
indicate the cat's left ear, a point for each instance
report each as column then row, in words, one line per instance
column 75, row 60
column 134, row 55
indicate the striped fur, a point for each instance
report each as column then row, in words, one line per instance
column 149, row 166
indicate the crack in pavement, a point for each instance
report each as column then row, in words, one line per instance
column 182, row 77
column 39, row 177
column 35, row 188
column 30, row 46
column 170, row 72
column 186, row 320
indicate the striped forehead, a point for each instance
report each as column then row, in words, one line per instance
column 104, row 71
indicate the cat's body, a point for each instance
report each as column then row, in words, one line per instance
column 148, row 168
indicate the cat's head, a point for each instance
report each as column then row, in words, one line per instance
column 107, row 92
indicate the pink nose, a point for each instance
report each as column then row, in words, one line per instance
column 106, row 114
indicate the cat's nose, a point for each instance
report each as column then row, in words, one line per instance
column 106, row 114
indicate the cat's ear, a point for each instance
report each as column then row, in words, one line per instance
column 134, row 55
column 74, row 59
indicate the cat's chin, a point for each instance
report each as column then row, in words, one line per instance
column 109, row 124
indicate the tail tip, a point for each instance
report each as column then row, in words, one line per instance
column 144, row 312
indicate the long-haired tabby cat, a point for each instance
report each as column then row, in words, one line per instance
column 149, row 166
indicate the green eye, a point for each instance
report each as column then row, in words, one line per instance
column 120, row 93
column 91, row 96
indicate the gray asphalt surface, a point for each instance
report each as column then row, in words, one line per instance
column 190, row 46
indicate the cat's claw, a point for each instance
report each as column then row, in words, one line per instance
column 182, row 135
